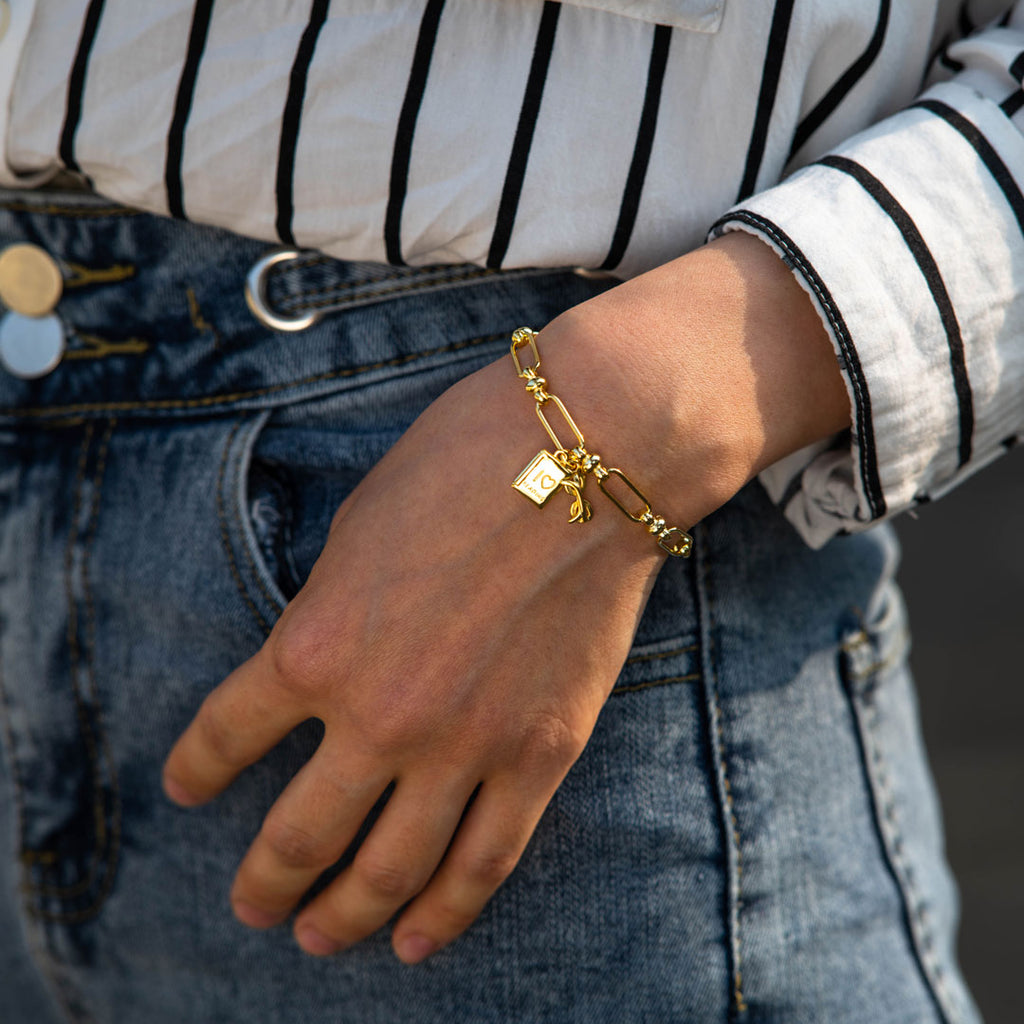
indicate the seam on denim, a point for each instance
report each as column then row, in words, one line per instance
column 100, row 348
column 109, row 837
column 882, row 664
column 17, row 783
column 690, row 677
column 309, row 258
column 59, row 210
column 915, row 909
column 637, row 658
column 855, row 642
column 254, row 573
column 85, row 728
column 296, row 303
column 114, row 833
column 727, row 808
column 433, row 272
column 37, row 951
column 225, row 536
column 83, row 276
column 71, row 636
column 208, row 401
column 199, row 322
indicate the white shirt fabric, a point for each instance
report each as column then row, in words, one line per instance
column 606, row 134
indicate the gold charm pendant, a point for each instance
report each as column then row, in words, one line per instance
column 571, row 463
column 580, row 511
column 540, row 479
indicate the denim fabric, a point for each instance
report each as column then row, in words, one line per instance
column 751, row 833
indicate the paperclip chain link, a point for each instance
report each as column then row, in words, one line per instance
column 569, row 465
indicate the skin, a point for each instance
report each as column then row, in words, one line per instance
column 692, row 377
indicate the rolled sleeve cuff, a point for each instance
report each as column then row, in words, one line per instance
column 910, row 242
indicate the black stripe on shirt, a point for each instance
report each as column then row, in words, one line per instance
column 516, row 172
column 1012, row 103
column 1017, row 67
column 292, row 118
column 989, row 157
column 406, row 129
column 930, row 270
column 863, row 424
column 183, row 105
column 964, row 22
column 641, row 149
column 76, row 85
column 853, row 74
column 951, row 63
column 770, row 75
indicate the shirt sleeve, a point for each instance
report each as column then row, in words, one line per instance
column 909, row 238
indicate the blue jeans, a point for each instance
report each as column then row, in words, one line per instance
column 751, row 833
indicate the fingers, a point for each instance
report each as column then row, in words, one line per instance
column 486, row 849
column 236, row 725
column 394, row 863
column 307, row 830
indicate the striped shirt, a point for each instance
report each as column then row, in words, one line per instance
column 607, row 134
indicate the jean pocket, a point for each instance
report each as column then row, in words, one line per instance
column 662, row 663
column 284, row 471
column 876, row 673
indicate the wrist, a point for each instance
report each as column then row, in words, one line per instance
column 697, row 375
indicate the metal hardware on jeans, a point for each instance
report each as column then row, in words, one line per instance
column 31, row 335
column 30, row 346
column 256, row 293
column 31, row 282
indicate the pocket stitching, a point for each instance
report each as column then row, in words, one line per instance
column 225, row 535
column 211, row 401
column 106, row 846
column 885, row 641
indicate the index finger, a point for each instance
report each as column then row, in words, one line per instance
column 237, row 723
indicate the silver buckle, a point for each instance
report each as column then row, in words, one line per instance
column 256, row 293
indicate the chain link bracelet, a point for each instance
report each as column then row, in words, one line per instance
column 569, row 465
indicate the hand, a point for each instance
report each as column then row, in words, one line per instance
column 459, row 643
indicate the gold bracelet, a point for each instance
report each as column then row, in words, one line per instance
column 568, row 466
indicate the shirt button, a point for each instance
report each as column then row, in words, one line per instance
column 30, row 279
column 30, row 346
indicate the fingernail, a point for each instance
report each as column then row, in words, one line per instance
column 313, row 942
column 254, row 917
column 179, row 794
column 411, row 949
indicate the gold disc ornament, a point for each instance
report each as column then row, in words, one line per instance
column 30, row 280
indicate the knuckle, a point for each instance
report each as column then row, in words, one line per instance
column 451, row 918
column 294, row 846
column 301, row 655
column 489, row 868
column 553, row 742
column 387, row 880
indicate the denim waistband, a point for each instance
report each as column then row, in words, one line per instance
column 156, row 321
